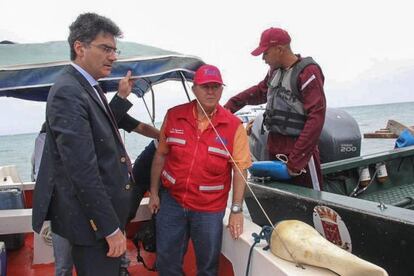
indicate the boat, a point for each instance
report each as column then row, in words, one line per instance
column 367, row 202
column 249, row 114
column 27, row 71
column 392, row 130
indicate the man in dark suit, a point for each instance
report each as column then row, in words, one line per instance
column 83, row 186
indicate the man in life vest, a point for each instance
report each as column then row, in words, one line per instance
column 203, row 149
column 296, row 105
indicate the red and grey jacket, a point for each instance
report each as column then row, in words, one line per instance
column 301, row 148
column 197, row 171
column 285, row 113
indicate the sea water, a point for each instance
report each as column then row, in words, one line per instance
column 17, row 149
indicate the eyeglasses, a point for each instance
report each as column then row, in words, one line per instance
column 107, row 49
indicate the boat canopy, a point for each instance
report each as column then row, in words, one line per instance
column 27, row 71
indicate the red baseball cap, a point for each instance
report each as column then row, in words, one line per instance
column 271, row 37
column 207, row 74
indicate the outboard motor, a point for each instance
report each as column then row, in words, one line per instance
column 258, row 140
column 340, row 137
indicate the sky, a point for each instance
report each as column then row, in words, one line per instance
column 365, row 48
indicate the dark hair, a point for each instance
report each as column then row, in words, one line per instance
column 87, row 26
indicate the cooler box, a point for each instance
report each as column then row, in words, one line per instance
column 12, row 199
column 3, row 264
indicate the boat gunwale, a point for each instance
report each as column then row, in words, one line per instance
column 364, row 160
column 357, row 205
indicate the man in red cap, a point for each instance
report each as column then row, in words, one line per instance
column 203, row 149
column 296, row 105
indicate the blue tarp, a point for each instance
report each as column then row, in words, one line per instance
column 27, row 71
column 405, row 139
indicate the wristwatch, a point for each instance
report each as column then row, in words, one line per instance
column 236, row 208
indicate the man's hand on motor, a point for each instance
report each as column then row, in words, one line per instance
column 235, row 225
column 125, row 86
column 117, row 244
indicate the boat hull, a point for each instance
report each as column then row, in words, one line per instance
column 382, row 236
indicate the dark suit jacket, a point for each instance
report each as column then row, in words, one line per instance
column 83, row 183
column 123, row 119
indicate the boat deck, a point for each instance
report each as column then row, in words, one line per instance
column 19, row 262
column 391, row 196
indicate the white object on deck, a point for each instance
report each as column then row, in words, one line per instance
column 297, row 241
column 8, row 174
column 262, row 262
column 24, row 186
column 42, row 246
column 14, row 221
column 143, row 212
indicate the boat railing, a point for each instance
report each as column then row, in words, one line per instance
column 236, row 251
column 24, row 186
column 357, row 205
column 9, row 174
column 366, row 160
column 16, row 221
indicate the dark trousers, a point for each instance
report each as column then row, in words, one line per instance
column 175, row 225
column 92, row 260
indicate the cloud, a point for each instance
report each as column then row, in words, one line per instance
column 349, row 39
column 385, row 82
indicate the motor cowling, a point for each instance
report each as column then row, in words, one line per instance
column 340, row 137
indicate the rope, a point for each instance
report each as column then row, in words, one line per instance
column 357, row 191
column 140, row 259
column 263, row 235
column 245, row 180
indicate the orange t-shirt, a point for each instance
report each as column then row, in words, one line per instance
column 241, row 151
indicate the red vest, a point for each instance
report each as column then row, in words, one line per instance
column 197, row 170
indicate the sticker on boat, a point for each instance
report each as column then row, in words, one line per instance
column 330, row 225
